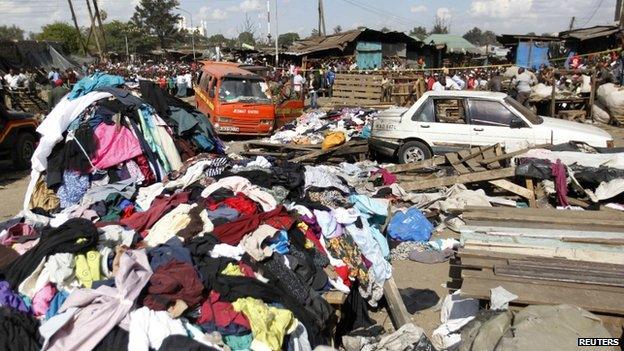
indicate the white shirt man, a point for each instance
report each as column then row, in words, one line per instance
column 451, row 84
column 12, row 80
column 189, row 80
column 437, row 86
column 460, row 82
column 523, row 82
column 298, row 82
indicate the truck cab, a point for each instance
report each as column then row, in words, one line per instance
column 237, row 101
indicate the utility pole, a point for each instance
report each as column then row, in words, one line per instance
column 572, row 22
column 619, row 12
column 82, row 43
column 276, row 37
column 97, row 40
column 321, row 19
column 96, row 8
column 192, row 30
column 268, row 3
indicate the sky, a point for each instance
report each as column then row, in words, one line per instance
column 301, row 16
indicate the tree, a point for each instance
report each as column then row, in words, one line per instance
column 287, row 39
column 440, row 26
column 315, row 33
column 385, row 30
column 117, row 32
column 246, row 38
column 61, row 32
column 474, row 36
column 419, row 32
column 248, row 27
column 531, row 34
column 11, row 33
column 337, row 29
column 156, row 17
column 217, row 40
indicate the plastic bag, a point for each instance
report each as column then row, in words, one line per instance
column 411, row 225
column 333, row 139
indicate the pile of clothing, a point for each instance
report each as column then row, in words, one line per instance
column 314, row 126
column 126, row 244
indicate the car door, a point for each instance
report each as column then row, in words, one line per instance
column 442, row 123
column 490, row 122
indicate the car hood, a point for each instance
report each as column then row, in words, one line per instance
column 559, row 126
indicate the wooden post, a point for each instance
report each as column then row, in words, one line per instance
column 96, row 8
column 397, row 310
column 592, row 96
column 97, row 40
column 552, row 99
column 82, row 43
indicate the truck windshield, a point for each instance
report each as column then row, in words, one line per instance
column 242, row 90
column 528, row 113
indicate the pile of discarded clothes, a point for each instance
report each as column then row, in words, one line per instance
column 124, row 243
column 313, row 127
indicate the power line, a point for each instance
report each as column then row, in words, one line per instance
column 593, row 13
column 379, row 12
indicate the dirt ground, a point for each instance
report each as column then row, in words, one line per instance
column 422, row 286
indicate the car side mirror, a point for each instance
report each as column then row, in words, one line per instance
column 517, row 123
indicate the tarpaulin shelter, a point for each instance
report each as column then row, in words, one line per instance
column 32, row 54
column 593, row 39
column 530, row 51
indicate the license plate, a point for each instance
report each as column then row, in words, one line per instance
column 229, row 129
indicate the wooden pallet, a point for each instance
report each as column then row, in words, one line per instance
column 353, row 150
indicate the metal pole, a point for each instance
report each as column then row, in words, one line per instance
column 193, row 30
column 276, row 37
column 127, row 51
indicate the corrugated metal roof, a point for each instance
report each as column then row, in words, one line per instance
column 336, row 41
column 454, row 43
column 589, row 33
column 222, row 69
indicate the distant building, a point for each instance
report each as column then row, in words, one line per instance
column 200, row 29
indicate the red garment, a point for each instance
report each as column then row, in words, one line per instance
column 232, row 232
column 343, row 273
column 560, row 173
column 310, row 235
column 141, row 221
column 387, row 177
column 173, row 281
column 127, row 212
column 150, row 178
column 247, row 270
column 221, row 313
column 241, row 203
column 430, row 82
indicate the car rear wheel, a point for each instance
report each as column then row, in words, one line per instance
column 414, row 151
column 23, row 150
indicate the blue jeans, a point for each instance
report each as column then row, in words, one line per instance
column 313, row 99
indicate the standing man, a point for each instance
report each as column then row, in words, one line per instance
column 57, row 93
column 298, row 83
column 331, row 78
column 523, row 82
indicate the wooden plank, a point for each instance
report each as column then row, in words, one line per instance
column 529, row 291
column 531, row 188
column 460, row 179
column 521, row 213
column 429, row 163
column 466, row 158
column 396, row 306
column 560, row 275
column 513, row 188
column 456, row 163
column 513, row 154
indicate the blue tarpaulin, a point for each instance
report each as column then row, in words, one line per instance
column 369, row 55
column 532, row 55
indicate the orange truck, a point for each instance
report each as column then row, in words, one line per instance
column 237, row 101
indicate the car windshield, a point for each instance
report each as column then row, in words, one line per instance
column 243, row 90
column 526, row 112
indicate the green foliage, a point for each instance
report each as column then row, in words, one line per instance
column 156, row 17
column 337, row 29
column 63, row 33
column 246, row 38
column 477, row 37
column 138, row 41
column 287, row 39
column 419, row 32
column 11, row 33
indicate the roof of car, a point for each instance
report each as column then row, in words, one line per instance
column 467, row 93
column 226, row 69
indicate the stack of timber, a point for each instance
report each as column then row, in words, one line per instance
column 352, row 151
column 489, row 164
column 543, row 256
column 357, row 90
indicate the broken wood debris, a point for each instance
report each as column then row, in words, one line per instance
column 353, row 150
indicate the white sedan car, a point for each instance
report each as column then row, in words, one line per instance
column 447, row 121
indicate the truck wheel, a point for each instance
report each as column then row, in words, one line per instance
column 413, row 151
column 23, row 150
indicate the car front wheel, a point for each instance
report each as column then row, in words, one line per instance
column 23, row 150
column 414, row 151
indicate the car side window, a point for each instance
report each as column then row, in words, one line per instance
column 425, row 113
column 489, row 113
column 450, row 111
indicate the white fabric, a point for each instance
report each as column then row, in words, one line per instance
column 226, row 250
column 610, row 189
column 455, row 313
column 146, row 195
column 568, row 158
column 149, row 328
column 167, row 227
column 500, row 298
column 113, row 235
column 322, row 177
